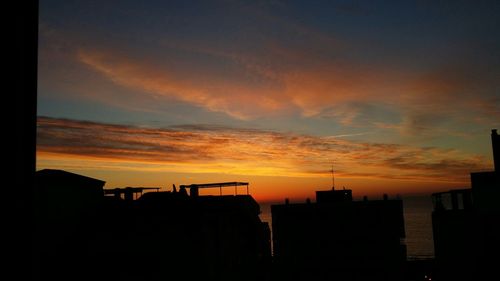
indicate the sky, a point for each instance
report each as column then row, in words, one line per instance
column 398, row 97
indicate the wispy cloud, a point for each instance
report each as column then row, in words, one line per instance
column 280, row 83
column 218, row 149
column 211, row 91
column 288, row 81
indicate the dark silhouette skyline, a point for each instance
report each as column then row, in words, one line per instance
column 83, row 231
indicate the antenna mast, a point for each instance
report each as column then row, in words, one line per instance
column 333, row 179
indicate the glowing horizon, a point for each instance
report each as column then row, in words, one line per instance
column 249, row 153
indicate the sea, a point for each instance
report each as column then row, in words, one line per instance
column 418, row 224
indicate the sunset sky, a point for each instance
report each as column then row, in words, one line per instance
column 400, row 98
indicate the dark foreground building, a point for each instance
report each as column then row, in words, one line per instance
column 66, row 206
column 337, row 238
column 466, row 227
column 88, row 233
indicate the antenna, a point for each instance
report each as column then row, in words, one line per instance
column 333, row 178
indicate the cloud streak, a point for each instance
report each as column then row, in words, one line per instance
column 209, row 90
column 287, row 81
column 218, row 149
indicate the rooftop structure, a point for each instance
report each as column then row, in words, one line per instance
column 193, row 188
column 128, row 193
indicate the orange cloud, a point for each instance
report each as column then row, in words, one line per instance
column 286, row 80
column 282, row 82
column 224, row 150
column 209, row 91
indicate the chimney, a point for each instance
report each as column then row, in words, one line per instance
column 495, row 142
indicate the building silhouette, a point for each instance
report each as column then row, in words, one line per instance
column 66, row 206
column 337, row 238
column 88, row 232
column 466, row 226
column 83, row 231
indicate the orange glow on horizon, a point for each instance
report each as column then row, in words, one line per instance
column 273, row 189
column 276, row 164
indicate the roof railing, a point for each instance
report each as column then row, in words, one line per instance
column 194, row 187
